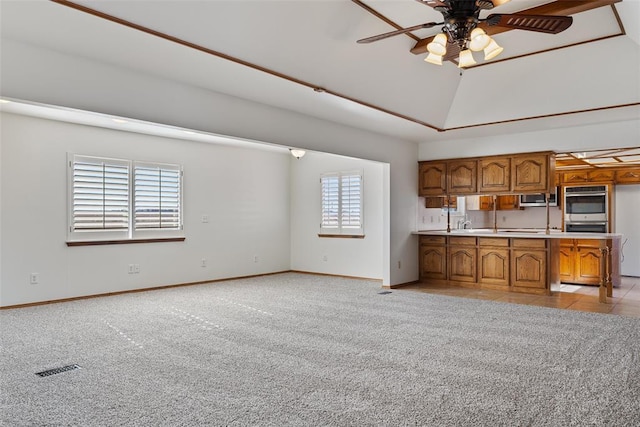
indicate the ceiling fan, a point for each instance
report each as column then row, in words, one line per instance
column 461, row 34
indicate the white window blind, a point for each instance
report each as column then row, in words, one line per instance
column 157, row 196
column 100, row 194
column 121, row 199
column 342, row 203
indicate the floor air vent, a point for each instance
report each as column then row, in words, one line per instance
column 384, row 292
column 57, row 370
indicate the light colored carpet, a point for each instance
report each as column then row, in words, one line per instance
column 295, row 349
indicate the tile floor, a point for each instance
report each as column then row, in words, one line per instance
column 625, row 300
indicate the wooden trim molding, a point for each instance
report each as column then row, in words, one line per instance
column 319, row 89
column 342, row 236
column 124, row 241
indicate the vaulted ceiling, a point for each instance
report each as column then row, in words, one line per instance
column 302, row 55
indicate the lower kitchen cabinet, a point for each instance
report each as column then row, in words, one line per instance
column 433, row 258
column 580, row 261
column 529, row 265
column 510, row 264
column 493, row 262
column 462, row 259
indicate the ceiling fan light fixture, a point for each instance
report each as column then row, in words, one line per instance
column 439, row 45
column 297, row 153
column 478, row 40
column 466, row 59
column 492, row 50
column 432, row 58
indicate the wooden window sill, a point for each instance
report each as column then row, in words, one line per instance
column 124, row 241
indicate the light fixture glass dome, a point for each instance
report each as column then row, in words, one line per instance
column 478, row 40
column 439, row 45
column 297, row 153
column 466, row 59
column 434, row 59
column 492, row 50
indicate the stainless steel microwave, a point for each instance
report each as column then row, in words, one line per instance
column 527, row 200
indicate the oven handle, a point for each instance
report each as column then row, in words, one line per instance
column 583, row 194
column 586, row 223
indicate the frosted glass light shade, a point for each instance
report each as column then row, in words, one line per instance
column 497, row 3
column 466, row 59
column 439, row 45
column 297, row 153
column 478, row 40
column 434, row 59
column 492, row 50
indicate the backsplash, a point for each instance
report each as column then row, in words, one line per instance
column 531, row 217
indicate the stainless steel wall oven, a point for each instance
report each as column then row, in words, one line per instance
column 586, row 209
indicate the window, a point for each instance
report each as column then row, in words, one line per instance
column 104, row 192
column 342, row 203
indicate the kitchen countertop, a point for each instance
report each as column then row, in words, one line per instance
column 528, row 233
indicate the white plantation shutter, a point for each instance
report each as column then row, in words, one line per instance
column 157, row 196
column 342, row 203
column 99, row 194
column 114, row 199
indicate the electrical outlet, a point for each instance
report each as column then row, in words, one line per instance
column 203, row 262
column 325, row 258
column 205, row 218
column 255, row 258
column 399, row 264
column 136, row 268
column 34, row 278
column 131, row 269
column 431, row 219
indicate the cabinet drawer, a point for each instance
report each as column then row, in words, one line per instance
column 590, row 243
column 582, row 176
column 432, row 240
column 601, row 176
column 494, row 241
column 462, row 241
column 529, row 243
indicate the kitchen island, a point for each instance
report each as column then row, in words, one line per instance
column 518, row 260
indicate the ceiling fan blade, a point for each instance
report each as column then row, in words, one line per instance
column 397, row 32
column 549, row 24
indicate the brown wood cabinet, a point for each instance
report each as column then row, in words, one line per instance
column 628, row 176
column 494, row 175
column 462, row 259
column 440, row 202
column 462, row 177
column 503, row 202
column 580, row 261
column 508, row 202
column 432, row 179
column 433, row 258
column 533, row 173
column 588, row 176
column 493, row 262
column 529, row 265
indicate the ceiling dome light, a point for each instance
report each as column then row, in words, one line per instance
column 297, row 153
column 434, row 59
column 478, row 40
column 439, row 45
column 492, row 50
column 466, row 59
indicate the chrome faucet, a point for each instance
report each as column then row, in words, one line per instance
column 462, row 224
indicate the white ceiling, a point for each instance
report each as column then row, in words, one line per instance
column 314, row 42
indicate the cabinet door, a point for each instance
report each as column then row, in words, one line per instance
column 434, row 202
column 433, row 260
column 567, row 261
column 462, row 265
column 494, row 175
column 486, row 203
column 530, row 173
column 432, row 179
column 462, row 177
column 628, row 176
column 508, row 202
column 493, row 266
column 528, row 269
column 588, row 265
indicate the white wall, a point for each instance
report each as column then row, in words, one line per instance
column 344, row 256
column 49, row 77
column 245, row 193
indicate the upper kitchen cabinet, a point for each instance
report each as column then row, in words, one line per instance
column 582, row 176
column 494, row 175
column 628, row 176
column 533, row 173
column 461, row 177
column 433, row 179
